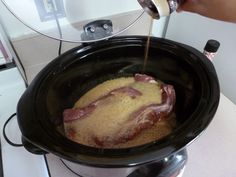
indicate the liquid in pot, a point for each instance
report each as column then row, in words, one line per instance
column 121, row 113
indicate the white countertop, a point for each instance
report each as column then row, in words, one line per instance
column 17, row 162
column 211, row 155
column 214, row 152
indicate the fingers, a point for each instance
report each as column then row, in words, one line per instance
column 191, row 6
column 216, row 9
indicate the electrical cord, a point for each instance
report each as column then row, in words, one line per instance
column 47, row 165
column 20, row 145
column 4, row 132
column 70, row 168
column 26, row 83
column 58, row 26
column 24, row 72
column 59, row 49
column 59, row 53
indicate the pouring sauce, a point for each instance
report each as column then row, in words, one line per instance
column 146, row 52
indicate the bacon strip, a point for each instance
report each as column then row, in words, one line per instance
column 144, row 78
column 141, row 119
column 79, row 113
column 127, row 90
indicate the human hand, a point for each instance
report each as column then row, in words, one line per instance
column 217, row 9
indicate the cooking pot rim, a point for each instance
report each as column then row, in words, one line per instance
column 168, row 145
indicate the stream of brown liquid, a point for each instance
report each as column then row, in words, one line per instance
column 146, row 52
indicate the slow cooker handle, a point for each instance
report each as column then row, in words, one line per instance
column 96, row 30
column 32, row 148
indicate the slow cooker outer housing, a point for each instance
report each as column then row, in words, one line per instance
column 70, row 75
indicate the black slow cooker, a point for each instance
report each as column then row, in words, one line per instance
column 60, row 84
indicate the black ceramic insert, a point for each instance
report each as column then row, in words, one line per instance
column 69, row 76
